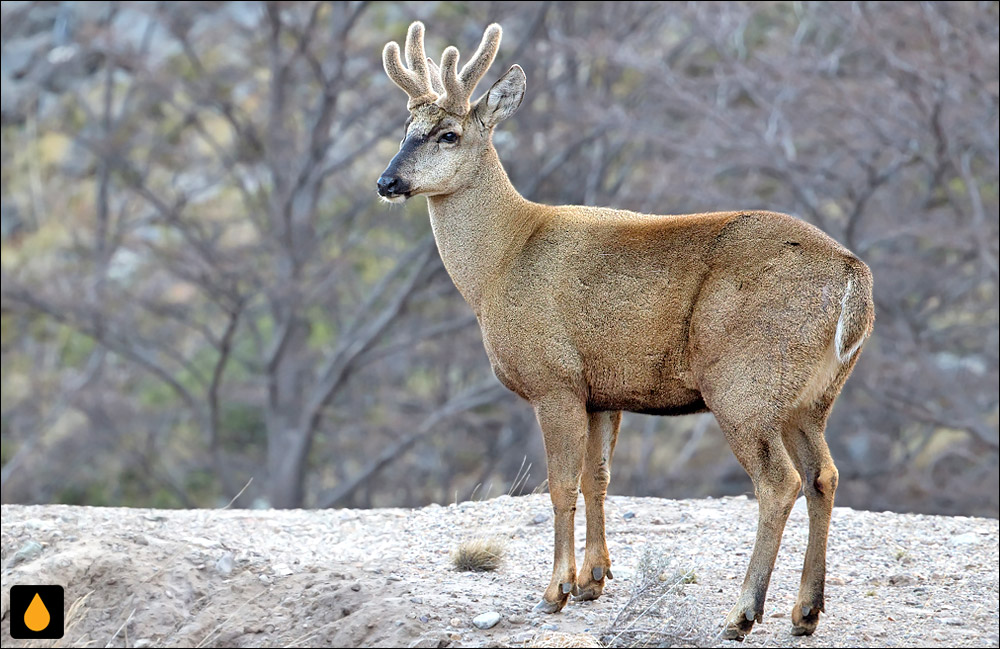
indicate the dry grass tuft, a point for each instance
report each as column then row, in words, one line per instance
column 573, row 640
column 480, row 554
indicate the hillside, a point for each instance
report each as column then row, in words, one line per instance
column 243, row 578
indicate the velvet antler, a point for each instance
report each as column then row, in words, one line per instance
column 446, row 86
column 414, row 78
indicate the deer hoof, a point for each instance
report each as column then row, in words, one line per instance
column 591, row 585
column 546, row 606
column 738, row 628
column 805, row 618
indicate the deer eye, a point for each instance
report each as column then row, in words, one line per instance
column 449, row 138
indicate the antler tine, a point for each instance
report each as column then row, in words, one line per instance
column 415, row 81
column 481, row 61
column 435, row 73
column 416, row 60
column 459, row 86
column 454, row 99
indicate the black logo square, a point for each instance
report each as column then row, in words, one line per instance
column 37, row 612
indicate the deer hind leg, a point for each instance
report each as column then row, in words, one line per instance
column 563, row 419
column 758, row 446
column 602, row 434
column 803, row 437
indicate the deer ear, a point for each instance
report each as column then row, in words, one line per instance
column 502, row 100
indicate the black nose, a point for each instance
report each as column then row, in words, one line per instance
column 392, row 186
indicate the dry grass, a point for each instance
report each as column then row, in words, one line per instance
column 480, row 554
column 657, row 613
column 570, row 640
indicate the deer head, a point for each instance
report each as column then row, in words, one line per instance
column 446, row 133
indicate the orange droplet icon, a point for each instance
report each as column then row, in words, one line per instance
column 37, row 616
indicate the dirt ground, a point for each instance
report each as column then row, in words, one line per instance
column 247, row 578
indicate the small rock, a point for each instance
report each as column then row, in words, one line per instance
column 455, row 622
column 516, row 619
column 539, row 519
column 225, row 564
column 901, row 580
column 835, row 581
column 424, row 619
column 28, row 552
column 264, row 579
column 550, row 627
column 952, row 621
column 486, row 620
column 964, row 539
column 629, row 516
column 355, row 587
column 142, row 642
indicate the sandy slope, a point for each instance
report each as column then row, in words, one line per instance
column 383, row 578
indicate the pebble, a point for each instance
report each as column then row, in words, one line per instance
column 516, row 619
column 28, row 552
column 539, row 519
column 225, row 564
column 964, row 539
column 550, row 627
column 629, row 516
column 455, row 622
column 486, row 620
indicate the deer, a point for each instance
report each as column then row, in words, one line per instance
column 586, row 312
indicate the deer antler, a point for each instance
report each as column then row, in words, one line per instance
column 458, row 86
column 426, row 83
column 414, row 79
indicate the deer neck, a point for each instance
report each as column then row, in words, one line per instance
column 480, row 228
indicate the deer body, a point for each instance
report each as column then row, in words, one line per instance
column 586, row 312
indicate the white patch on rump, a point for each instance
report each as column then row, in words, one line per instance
column 845, row 355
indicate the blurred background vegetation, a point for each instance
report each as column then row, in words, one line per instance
column 199, row 285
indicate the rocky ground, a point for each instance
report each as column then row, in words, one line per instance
column 241, row 578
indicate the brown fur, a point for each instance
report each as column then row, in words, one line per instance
column 586, row 312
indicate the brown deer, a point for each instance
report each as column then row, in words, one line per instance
column 586, row 312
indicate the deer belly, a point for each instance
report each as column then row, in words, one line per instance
column 642, row 387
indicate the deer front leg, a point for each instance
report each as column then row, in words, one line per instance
column 563, row 418
column 602, row 435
